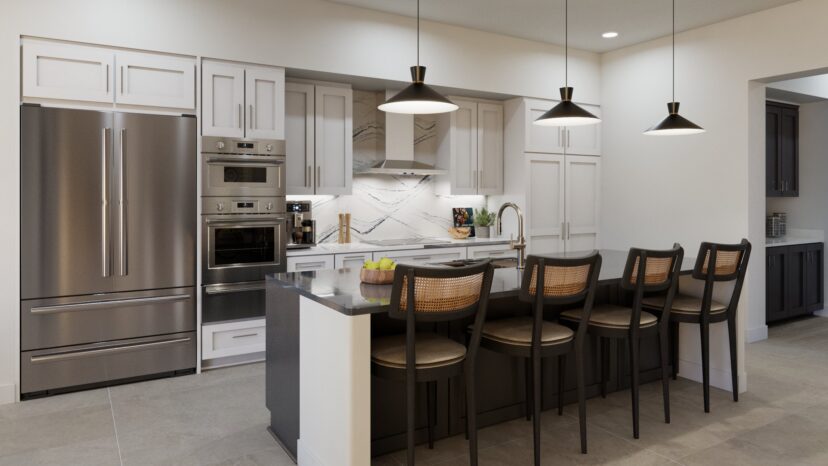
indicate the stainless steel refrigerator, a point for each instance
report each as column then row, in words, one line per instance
column 108, row 238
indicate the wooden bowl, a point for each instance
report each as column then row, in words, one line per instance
column 459, row 232
column 376, row 277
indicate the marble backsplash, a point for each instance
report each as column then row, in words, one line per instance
column 384, row 207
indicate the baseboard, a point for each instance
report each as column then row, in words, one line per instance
column 305, row 457
column 718, row 378
column 821, row 313
column 7, row 393
column 757, row 334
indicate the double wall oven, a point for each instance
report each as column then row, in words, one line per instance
column 243, row 225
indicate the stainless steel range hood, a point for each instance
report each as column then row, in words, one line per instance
column 397, row 155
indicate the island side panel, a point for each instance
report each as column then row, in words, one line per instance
column 282, row 366
column 334, row 381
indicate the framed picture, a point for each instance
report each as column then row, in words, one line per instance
column 463, row 217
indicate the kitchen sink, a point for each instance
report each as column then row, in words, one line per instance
column 498, row 263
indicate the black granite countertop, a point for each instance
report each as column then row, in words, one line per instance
column 342, row 290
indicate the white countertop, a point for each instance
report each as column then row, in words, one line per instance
column 336, row 248
column 796, row 236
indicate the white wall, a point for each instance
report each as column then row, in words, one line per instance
column 304, row 34
column 710, row 186
column 809, row 211
column 811, row 85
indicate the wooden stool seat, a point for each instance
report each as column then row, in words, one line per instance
column 431, row 350
column 683, row 304
column 518, row 331
column 611, row 316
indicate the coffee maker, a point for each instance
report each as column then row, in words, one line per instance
column 301, row 228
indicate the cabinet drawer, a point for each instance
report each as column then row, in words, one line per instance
column 53, row 70
column 154, row 80
column 423, row 256
column 72, row 366
column 232, row 338
column 49, row 323
column 353, row 260
column 310, row 263
column 496, row 251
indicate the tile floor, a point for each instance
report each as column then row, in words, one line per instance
column 218, row 418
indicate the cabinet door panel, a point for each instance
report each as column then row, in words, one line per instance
column 299, row 138
column 773, row 121
column 795, row 281
column 814, row 278
column 222, row 90
column 789, row 152
column 542, row 139
column 67, row 71
column 154, row 80
column 586, row 139
column 464, row 148
column 265, row 100
column 545, row 213
column 582, row 212
column 490, row 148
column 334, row 140
column 775, row 285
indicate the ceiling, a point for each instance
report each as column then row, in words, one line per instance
column 542, row 20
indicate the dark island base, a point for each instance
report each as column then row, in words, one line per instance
column 500, row 384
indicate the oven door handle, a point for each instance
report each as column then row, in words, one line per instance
column 252, row 161
column 228, row 288
column 245, row 221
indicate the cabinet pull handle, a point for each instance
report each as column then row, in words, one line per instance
column 480, row 179
column 251, row 125
column 245, row 335
column 307, row 175
column 241, row 117
column 319, row 175
column 308, row 265
column 107, row 78
column 123, row 78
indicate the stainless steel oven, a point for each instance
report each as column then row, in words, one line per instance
column 241, row 167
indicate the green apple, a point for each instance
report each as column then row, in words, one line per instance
column 371, row 265
column 386, row 264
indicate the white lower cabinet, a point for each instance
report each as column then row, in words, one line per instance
column 310, row 263
column 353, row 260
column 236, row 338
column 423, row 256
column 494, row 251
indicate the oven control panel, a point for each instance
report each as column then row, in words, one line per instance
column 237, row 206
column 229, row 146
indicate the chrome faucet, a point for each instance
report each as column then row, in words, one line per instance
column 520, row 244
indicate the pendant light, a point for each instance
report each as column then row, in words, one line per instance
column 418, row 98
column 674, row 124
column 566, row 113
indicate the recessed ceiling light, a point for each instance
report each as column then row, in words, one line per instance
column 609, row 35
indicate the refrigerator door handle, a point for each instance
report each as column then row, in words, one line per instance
column 105, row 270
column 107, row 304
column 122, row 245
column 102, row 351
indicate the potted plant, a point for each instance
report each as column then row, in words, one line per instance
column 483, row 220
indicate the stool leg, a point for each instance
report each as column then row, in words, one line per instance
column 561, row 374
column 430, row 405
column 634, row 380
column 734, row 362
column 471, row 415
column 536, row 405
column 665, row 375
column 604, row 365
column 579, row 375
column 410, row 408
column 705, row 348
column 674, row 343
column 528, row 372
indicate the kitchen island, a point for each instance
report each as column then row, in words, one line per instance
column 327, row 409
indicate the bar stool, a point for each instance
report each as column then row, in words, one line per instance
column 432, row 294
column 660, row 272
column 563, row 282
column 731, row 262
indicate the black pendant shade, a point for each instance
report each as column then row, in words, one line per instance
column 418, row 98
column 674, row 124
column 567, row 113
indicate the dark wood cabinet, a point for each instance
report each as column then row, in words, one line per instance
column 794, row 281
column 781, row 150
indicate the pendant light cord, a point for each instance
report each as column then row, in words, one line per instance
column 566, row 43
column 418, row 32
column 674, row 50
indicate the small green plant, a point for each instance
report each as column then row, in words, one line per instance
column 484, row 218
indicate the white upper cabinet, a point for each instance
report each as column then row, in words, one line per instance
column 334, row 140
column 154, row 80
column 299, row 137
column 84, row 73
column 471, row 148
column 576, row 140
column 53, row 70
column 265, row 99
column 546, row 206
column 586, row 139
column 241, row 101
column 583, row 194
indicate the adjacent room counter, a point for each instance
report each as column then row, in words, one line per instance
column 319, row 329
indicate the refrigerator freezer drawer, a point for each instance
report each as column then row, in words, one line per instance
column 104, row 362
column 51, row 323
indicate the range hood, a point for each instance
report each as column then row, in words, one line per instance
column 395, row 153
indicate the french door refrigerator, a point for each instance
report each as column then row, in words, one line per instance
column 108, row 238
